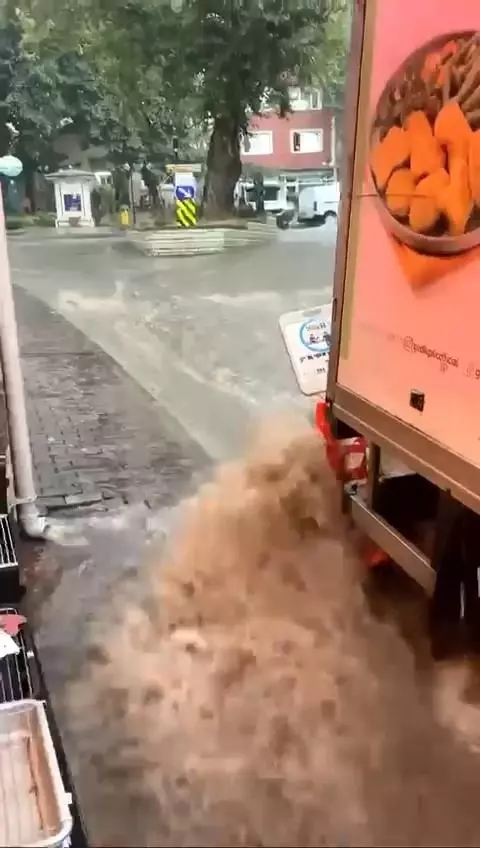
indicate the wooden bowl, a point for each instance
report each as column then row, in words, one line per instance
column 436, row 245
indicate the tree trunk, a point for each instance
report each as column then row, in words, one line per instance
column 29, row 175
column 4, row 133
column 223, row 168
column 4, row 189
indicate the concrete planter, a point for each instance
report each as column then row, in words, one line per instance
column 198, row 241
column 254, row 233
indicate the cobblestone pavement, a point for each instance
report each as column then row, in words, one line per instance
column 97, row 437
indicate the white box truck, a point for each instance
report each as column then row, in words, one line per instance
column 404, row 370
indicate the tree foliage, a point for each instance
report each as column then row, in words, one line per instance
column 136, row 113
column 242, row 52
column 51, row 83
column 329, row 60
column 155, row 70
column 223, row 57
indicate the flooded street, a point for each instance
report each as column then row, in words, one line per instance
column 200, row 335
column 218, row 674
column 239, row 691
column 239, row 438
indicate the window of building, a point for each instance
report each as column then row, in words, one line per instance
column 301, row 100
column 257, row 143
column 315, row 99
column 307, row 141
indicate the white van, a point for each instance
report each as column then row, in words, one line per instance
column 275, row 195
column 319, row 203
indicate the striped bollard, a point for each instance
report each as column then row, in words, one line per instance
column 186, row 208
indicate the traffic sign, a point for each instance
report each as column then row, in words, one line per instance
column 184, row 192
column 186, row 208
column 307, row 338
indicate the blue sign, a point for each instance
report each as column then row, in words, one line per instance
column 315, row 335
column 185, row 192
column 72, row 203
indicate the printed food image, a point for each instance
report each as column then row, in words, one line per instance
column 425, row 147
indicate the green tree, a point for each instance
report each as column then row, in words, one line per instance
column 9, row 54
column 126, row 106
column 329, row 60
column 233, row 55
column 40, row 96
column 217, row 62
column 46, row 98
column 29, row 103
column 243, row 53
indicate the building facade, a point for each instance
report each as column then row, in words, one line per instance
column 302, row 141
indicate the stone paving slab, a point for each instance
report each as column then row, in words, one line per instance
column 97, row 437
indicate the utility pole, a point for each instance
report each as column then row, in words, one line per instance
column 31, row 521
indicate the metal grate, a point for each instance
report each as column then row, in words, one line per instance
column 15, row 672
column 8, row 556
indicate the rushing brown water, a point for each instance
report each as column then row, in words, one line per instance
column 253, row 699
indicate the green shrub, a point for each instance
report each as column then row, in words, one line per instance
column 14, row 223
column 20, row 222
column 45, row 219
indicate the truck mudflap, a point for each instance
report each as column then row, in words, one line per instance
column 347, row 457
column 348, row 460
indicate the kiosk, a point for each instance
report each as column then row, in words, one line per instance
column 72, row 197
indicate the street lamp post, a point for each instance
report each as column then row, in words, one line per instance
column 32, row 522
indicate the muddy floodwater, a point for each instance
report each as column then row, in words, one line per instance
column 222, row 678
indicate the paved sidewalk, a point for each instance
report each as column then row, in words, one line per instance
column 97, row 437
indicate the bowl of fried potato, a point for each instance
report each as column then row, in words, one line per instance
column 424, row 154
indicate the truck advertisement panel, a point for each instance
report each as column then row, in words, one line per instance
column 410, row 336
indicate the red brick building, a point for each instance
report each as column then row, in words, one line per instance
column 303, row 141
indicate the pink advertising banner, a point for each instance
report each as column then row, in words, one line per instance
column 410, row 340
